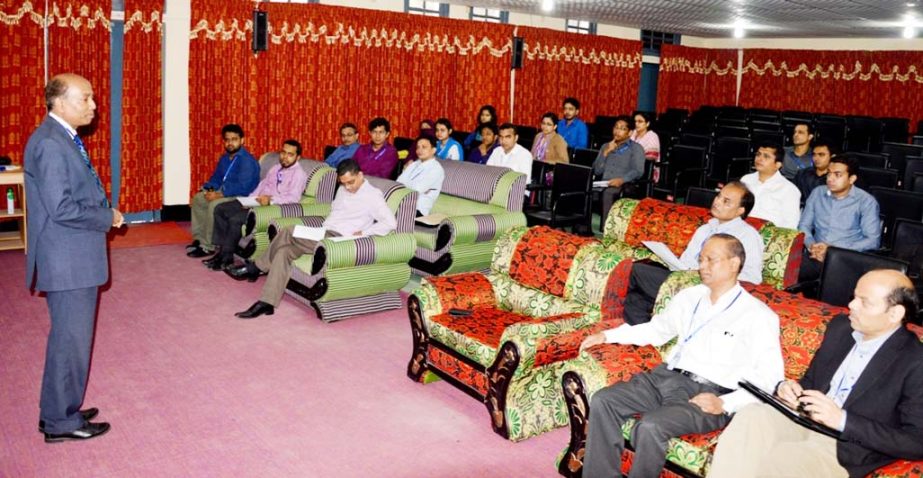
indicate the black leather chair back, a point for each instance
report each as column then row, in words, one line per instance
column 700, row 197
column 895, row 204
column 843, row 268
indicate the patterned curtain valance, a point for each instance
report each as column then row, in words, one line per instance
column 841, row 71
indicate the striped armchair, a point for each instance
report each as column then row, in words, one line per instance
column 356, row 276
column 318, row 194
column 481, row 202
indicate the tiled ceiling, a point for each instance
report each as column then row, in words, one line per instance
column 715, row 18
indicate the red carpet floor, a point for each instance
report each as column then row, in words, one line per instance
column 192, row 391
column 153, row 234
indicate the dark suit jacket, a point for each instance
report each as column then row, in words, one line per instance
column 67, row 216
column 885, row 407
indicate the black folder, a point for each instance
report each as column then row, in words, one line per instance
column 793, row 415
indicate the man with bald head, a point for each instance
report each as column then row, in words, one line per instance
column 866, row 381
column 68, row 215
column 723, row 335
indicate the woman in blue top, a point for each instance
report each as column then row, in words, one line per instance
column 486, row 115
column 446, row 146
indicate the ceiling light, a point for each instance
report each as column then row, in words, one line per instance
column 740, row 27
column 911, row 4
column 547, row 5
column 739, row 32
column 910, row 32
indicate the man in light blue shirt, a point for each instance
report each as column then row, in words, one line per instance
column 572, row 128
column 838, row 214
column 424, row 175
column 349, row 143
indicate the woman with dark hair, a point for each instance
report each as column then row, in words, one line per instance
column 480, row 153
column 446, row 146
column 487, row 114
column 549, row 146
column 647, row 139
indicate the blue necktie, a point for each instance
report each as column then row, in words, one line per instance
column 86, row 160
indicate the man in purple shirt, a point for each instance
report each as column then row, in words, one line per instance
column 378, row 158
column 359, row 209
column 283, row 184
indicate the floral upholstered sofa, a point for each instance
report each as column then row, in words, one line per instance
column 345, row 278
column 632, row 221
column 802, row 321
column 318, row 194
column 481, row 202
column 541, row 283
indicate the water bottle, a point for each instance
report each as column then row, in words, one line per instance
column 10, row 201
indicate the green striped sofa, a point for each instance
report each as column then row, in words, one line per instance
column 542, row 282
column 357, row 276
column 318, row 194
column 632, row 221
column 481, row 202
column 802, row 323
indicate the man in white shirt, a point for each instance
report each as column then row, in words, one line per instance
column 724, row 335
column 777, row 199
column 728, row 210
column 359, row 209
column 424, row 175
column 510, row 154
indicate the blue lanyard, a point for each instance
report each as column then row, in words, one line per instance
column 380, row 152
column 278, row 178
column 233, row 162
column 700, row 327
column 846, row 367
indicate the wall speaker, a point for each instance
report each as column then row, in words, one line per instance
column 260, row 30
column 517, row 53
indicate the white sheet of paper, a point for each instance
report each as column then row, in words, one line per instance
column 247, row 201
column 601, row 184
column 312, row 233
column 664, row 252
column 342, row 238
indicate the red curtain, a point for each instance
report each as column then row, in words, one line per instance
column 22, row 103
column 692, row 77
column 142, row 114
column 326, row 65
column 874, row 83
column 602, row 72
column 78, row 42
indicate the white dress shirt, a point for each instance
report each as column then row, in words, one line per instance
column 748, row 236
column 734, row 339
column 777, row 199
column 519, row 159
column 424, row 177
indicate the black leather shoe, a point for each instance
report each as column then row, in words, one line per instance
column 87, row 415
column 247, row 271
column 87, row 431
column 198, row 252
column 192, row 245
column 217, row 263
column 257, row 309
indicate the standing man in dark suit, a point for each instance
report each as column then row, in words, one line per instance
column 68, row 216
column 866, row 381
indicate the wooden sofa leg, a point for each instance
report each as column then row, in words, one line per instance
column 499, row 376
column 417, row 367
column 578, row 412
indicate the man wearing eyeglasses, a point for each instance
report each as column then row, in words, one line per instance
column 283, row 184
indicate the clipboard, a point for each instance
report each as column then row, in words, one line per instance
column 792, row 415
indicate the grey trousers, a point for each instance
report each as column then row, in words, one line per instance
column 67, row 357
column 662, row 396
column 277, row 261
column 203, row 218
